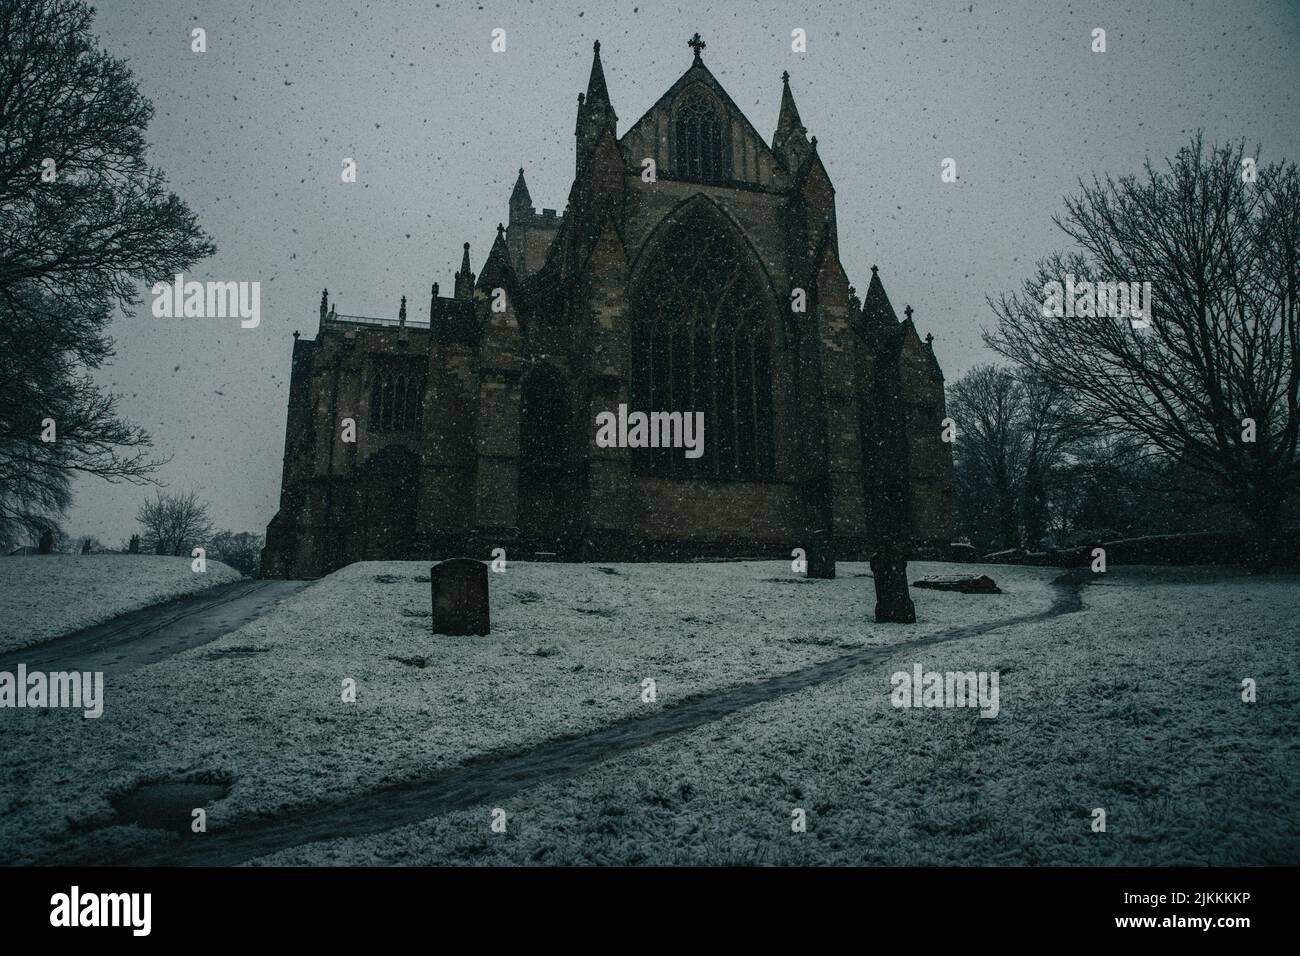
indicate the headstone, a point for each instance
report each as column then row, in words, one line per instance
column 460, row 597
column 965, row 583
column 893, row 603
column 821, row 555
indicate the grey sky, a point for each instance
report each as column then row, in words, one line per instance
column 252, row 134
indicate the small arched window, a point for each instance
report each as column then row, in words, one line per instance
column 698, row 136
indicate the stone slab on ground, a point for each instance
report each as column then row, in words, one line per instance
column 963, row 583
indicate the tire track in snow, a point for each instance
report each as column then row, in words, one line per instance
column 490, row 780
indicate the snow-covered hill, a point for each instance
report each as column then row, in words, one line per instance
column 46, row 596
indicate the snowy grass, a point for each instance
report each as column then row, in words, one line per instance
column 47, row 596
column 1132, row 705
column 570, row 647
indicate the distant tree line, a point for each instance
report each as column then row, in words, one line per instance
column 175, row 524
column 172, row 525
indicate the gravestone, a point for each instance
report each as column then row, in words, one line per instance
column 821, row 555
column 460, row 597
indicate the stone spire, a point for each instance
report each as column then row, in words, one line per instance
column 876, row 308
column 790, row 141
column 401, row 313
column 497, row 271
column 521, row 204
column 464, row 278
column 597, row 91
column 595, row 112
column 936, row 372
column 324, row 303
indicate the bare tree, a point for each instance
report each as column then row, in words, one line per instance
column 83, row 220
column 1014, row 438
column 1213, row 382
column 986, row 404
column 241, row 551
column 174, row 524
column 1050, row 436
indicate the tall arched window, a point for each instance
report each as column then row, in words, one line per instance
column 395, row 396
column 698, row 135
column 701, row 343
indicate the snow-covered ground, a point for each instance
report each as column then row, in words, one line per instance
column 47, row 596
column 1133, row 705
column 570, row 648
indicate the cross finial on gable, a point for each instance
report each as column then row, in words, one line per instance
column 696, row 44
column 907, row 310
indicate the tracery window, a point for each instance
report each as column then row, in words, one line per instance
column 395, row 399
column 698, row 135
column 701, row 343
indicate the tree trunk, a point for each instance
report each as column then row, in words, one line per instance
column 1007, row 527
column 1035, row 509
column 893, row 602
column 1264, row 542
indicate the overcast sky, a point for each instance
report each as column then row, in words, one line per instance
column 252, row 134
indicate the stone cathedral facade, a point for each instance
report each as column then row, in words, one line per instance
column 695, row 268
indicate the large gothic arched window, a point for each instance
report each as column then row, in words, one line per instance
column 701, row 343
column 698, row 135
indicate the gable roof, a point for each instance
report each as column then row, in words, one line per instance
column 699, row 73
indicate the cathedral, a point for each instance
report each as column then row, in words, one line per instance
column 695, row 269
